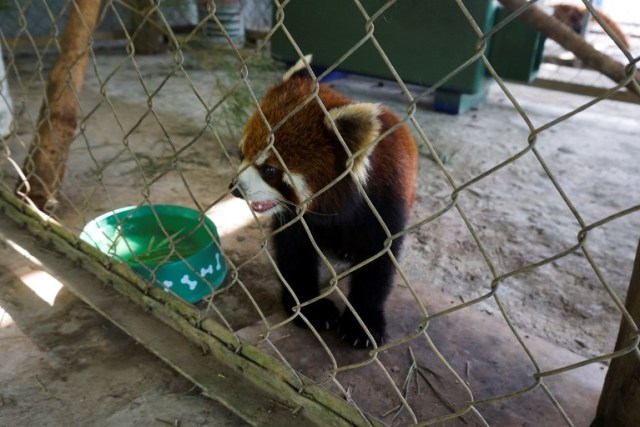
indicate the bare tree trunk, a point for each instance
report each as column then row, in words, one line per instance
column 620, row 399
column 565, row 37
column 44, row 167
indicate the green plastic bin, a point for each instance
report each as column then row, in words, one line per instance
column 516, row 50
column 424, row 40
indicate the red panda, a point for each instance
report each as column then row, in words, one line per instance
column 302, row 166
column 574, row 17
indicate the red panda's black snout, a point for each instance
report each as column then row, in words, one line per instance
column 318, row 155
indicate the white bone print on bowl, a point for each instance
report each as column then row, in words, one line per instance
column 209, row 270
column 206, row 271
column 167, row 284
column 200, row 254
column 186, row 281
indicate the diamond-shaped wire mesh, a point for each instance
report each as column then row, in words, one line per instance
column 520, row 244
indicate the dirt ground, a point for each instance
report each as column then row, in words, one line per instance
column 64, row 365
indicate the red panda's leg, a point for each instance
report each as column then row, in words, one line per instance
column 370, row 287
column 298, row 262
column 372, row 283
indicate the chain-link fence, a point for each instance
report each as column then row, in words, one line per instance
column 562, row 69
column 517, row 254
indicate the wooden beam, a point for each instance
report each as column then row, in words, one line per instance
column 585, row 90
column 620, row 399
column 255, row 386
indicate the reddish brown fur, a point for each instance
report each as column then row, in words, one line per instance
column 400, row 146
column 338, row 218
column 572, row 16
column 320, row 163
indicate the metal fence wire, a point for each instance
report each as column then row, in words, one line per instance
column 517, row 256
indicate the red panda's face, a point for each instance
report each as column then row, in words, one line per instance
column 291, row 150
column 278, row 156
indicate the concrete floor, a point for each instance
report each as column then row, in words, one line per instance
column 63, row 364
column 560, row 311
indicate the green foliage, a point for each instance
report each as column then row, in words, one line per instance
column 236, row 99
column 445, row 158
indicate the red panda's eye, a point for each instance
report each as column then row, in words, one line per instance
column 268, row 171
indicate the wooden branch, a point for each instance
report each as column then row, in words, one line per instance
column 254, row 385
column 44, row 167
column 620, row 399
column 567, row 38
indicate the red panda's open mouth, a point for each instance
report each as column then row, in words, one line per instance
column 263, row 206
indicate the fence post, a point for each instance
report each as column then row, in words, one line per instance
column 147, row 38
column 45, row 165
column 620, row 399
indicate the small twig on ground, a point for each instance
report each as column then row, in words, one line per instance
column 42, row 387
column 406, row 387
column 15, row 337
column 450, row 406
column 175, row 423
column 446, row 159
column 422, row 371
column 392, row 410
column 193, row 392
column 414, row 365
column 288, row 408
column 282, row 338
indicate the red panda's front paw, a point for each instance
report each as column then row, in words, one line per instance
column 352, row 332
column 322, row 314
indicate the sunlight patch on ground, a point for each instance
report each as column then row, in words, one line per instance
column 5, row 319
column 230, row 216
column 22, row 251
column 43, row 284
column 39, row 281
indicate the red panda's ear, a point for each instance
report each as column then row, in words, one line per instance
column 299, row 69
column 359, row 126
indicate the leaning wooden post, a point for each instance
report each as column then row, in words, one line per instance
column 45, row 165
column 620, row 399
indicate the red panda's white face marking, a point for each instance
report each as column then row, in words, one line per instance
column 260, row 182
column 298, row 66
column 262, row 196
column 365, row 128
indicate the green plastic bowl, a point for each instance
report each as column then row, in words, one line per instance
column 172, row 246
